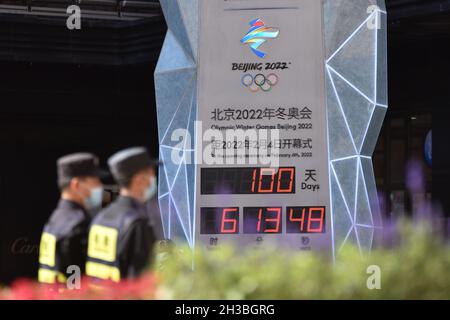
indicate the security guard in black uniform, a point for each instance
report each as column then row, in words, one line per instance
column 121, row 238
column 64, row 239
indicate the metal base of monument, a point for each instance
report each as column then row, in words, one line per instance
column 355, row 95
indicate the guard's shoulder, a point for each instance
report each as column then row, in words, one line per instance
column 111, row 212
column 63, row 221
column 134, row 218
column 118, row 214
column 114, row 212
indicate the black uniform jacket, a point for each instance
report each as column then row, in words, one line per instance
column 69, row 223
column 136, row 237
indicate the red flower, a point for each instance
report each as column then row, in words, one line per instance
column 140, row 288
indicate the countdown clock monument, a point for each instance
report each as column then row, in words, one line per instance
column 281, row 103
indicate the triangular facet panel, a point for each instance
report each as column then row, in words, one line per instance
column 191, row 178
column 164, row 209
column 373, row 131
column 193, row 116
column 177, row 232
column 346, row 171
column 380, row 3
column 181, row 119
column 342, row 19
column 172, row 56
column 370, row 185
column 169, row 93
column 342, row 222
column 357, row 109
column 382, row 63
column 181, row 199
column 363, row 211
column 176, row 24
column 340, row 140
column 189, row 10
column 351, row 240
column 365, row 237
column 355, row 61
column 163, row 186
column 170, row 167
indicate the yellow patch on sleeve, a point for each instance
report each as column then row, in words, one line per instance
column 50, row 276
column 47, row 249
column 102, row 271
column 102, row 243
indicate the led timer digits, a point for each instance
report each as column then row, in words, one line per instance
column 247, row 181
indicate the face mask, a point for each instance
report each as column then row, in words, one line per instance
column 151, row 190
column 95, row 199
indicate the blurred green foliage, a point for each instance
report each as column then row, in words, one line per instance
column 418, row 267
column 415, row 266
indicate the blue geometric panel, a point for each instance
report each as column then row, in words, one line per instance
column 382, row 85
column 355, row 39
column 339, row 134
column 177, row 231
column 371, row 188
column 365, row 237
column 164, row 207
column 351, row 238
column 355, row 60
column 375, row 124
column 169, row 97
column 346, row 174
column 182, row 19
column 173, row 57
column 176, row 99
column 342, row 220
column 363, row 213
column 356, row 108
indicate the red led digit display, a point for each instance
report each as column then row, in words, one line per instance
column 266, row 180
column 262, row 220
column 286, row 180
column 300, row 219
column 229, row 220
column 316, row 220
column 305, row 219
column 247, row 181
column 219, row 220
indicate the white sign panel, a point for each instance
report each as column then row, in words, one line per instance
column 264, row 175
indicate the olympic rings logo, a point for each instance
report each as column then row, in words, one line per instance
column 259, row 82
